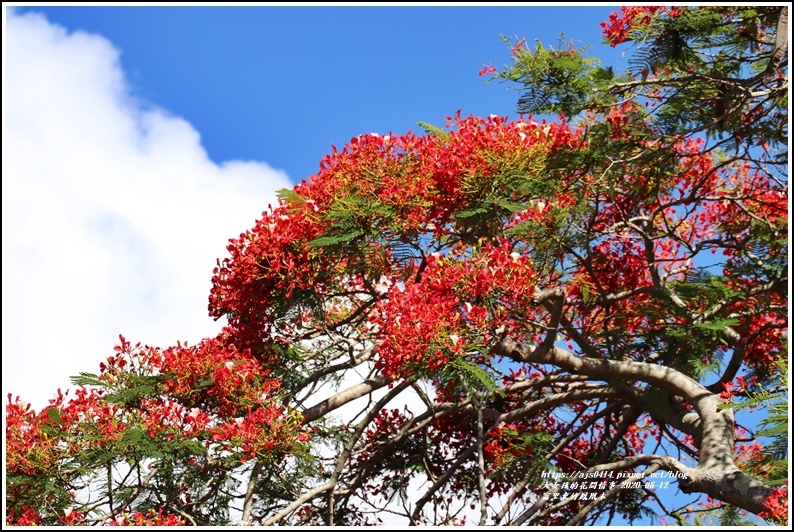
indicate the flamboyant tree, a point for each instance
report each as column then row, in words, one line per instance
column 505, row 322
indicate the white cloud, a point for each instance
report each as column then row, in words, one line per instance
column 113, row 215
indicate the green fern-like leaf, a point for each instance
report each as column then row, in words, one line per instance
column 435, row 131
column 511, row 206
column 131, row 394
column 86, row 379
column 534, row 100
column 471, row 375
column 331, row 240
column 290, row 197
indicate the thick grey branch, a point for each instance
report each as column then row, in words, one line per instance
column 779, row 50
column 716, row 474
column 343, row 397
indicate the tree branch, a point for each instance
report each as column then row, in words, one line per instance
column 779, row 50
column 716, row 474
column 249, row 492
column 343, row 397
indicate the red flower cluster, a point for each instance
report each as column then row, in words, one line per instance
column 501, row 445
column 152, row 518
column 216, row 374
column 30, row 446
column 211, row 393
column 29, row 517
column 621, row 23
column 778, row 506
column 267, row 264
column 487, row 69
column 425, row 324
column 401, row 186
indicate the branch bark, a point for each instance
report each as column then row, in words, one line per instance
column 344, row 397
column 716, row 474
column 779, row 50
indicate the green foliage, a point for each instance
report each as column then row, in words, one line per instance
column 469, row 377
column 325, row 241
column 632, row 504
column 54, row 414
column 677, row 46
column 128, row 391
column 732, row 516
column 436, row 131
column 511, row 206
column 290, row 197
column 706, row 65
column 86, row 379
column 560, row 80
column 130, row 395
column 526, row 459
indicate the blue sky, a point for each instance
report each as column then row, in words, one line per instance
column 140, row 139
column 280, row 84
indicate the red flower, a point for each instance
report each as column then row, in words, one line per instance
column 778, row 506
column 489, row 69
column 518, row 46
